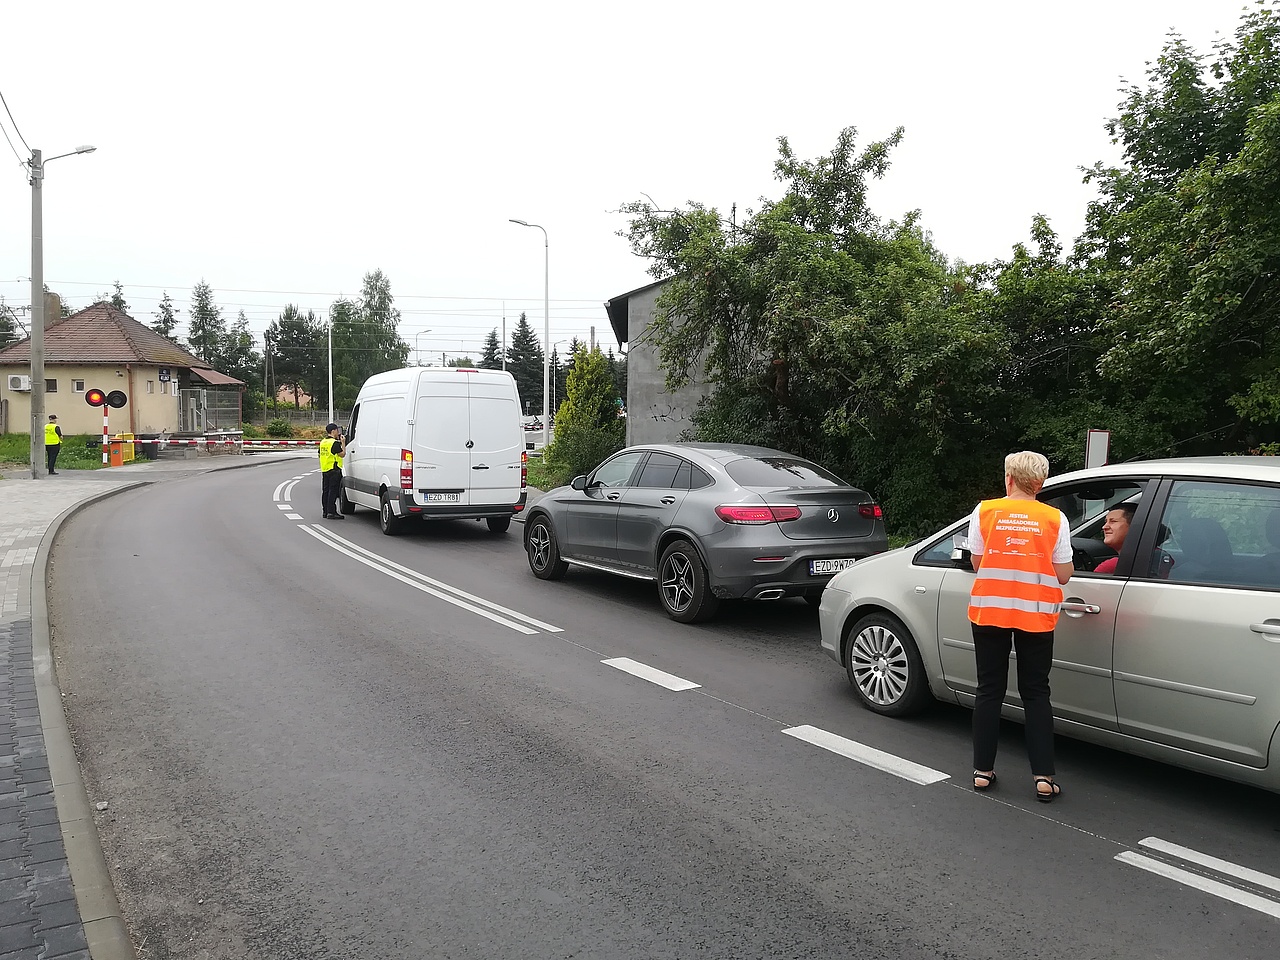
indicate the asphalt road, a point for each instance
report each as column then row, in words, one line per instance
column 307, row 752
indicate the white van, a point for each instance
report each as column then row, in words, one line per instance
column 436, row 443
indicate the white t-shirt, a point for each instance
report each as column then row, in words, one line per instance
column 1062, row 552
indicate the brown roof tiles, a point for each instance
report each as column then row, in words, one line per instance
column 102, row 334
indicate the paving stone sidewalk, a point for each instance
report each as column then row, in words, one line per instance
column 40, row 918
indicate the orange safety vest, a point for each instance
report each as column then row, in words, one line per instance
column 1016, row 586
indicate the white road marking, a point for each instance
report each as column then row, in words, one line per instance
column 1202, row 883
column 447, row 598
column 288, row 494
column 887, row 762
column 284, row 506
column 670, row 681
column 293, row 516
column 1255, row 877
column 506, row 611
column 276, row 495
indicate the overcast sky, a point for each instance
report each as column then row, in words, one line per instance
column 279, row 151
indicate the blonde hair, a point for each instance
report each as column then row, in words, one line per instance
column 1028, row 470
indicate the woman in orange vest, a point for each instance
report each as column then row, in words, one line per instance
column 1021, row 550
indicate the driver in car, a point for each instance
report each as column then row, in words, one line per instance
column 1114, row 530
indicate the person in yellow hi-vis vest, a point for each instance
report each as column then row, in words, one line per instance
column 1021, row 550
column 331, row 452
column 52, row 443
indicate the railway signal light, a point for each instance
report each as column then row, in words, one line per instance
column 95, row 398
column 100, row 398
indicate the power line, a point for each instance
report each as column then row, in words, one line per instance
column 15, row 124
column 21, row 162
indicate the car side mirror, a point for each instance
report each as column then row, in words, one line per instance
column 961, row 557
column 579, row 483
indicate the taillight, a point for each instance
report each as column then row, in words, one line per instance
column 870, row 511
column 524, row 469
column 736, row 513
column 406, row 469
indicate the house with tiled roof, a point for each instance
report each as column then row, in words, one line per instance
column 103, row 348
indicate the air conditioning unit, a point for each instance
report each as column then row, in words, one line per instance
column 19, row 383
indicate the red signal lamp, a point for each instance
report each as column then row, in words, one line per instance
column 95, row 398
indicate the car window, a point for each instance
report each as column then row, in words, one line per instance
column 659, row 471
column 1222, row 533
column 780, row 472
column 938, row 553
column 1087, row 506
column 616, row 471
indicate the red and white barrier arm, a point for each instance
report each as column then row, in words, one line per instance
column 202, row 441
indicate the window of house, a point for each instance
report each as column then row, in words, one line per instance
column 151, row 387
column 174, row 384
column 77, row 386
column 51, row 386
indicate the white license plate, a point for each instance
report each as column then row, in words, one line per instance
column 444, row 497
column 820, row 568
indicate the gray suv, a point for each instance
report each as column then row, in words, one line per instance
column 706, row 522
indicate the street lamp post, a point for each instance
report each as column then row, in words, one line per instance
column 37, row 163
column 546, row 331
column 417, row 350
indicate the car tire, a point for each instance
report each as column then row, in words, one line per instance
column 498, row 524
column 390, row 524
column 683, row 585
column 543, row 551
column 345, row 505
column 885, row 667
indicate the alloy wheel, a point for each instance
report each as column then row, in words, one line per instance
column 677, row 582
column 879, row 665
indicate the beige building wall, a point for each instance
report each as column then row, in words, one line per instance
column 146, row 412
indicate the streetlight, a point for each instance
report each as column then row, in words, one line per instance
column 546, row 330
column 417, row 351
column 37, row 163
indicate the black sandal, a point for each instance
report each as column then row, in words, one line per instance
column 990, row 779
column 1054, row 789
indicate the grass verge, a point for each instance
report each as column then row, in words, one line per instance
column 75, row 455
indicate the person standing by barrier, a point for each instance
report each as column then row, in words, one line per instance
column 52, row 442
column 1021, row 550
column 331, row 452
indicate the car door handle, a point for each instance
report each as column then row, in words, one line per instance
column 1268, row 629
column 668, row 500
column 612, row 496
column 1078, row 608
column 481, row 466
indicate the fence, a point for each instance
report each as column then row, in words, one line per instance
column 204, row 409
column 310, row 417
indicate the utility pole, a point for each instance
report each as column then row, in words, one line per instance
column 504, row 334
column 266, row 381
column 37, row 314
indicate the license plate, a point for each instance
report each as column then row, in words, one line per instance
column 444, row 497
column 819, row 568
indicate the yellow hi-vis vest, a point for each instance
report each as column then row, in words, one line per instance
column 1016, row 586
column 327, row 460
column 51, row 438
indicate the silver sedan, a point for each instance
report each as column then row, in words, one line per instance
column 706, row 522
column 1173, row 654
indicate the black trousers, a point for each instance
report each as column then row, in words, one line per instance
column 51, row 452
column 991, row 646
column 331, row 482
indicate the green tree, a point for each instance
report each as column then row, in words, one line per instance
column 1184, row 237
column 8, row 326
column 524, row 362
column 587, row 425
column 238, row 358
column 365, row 337
column 116, row 298
column 299, row 353
column 166, row 321
column 491, row 355
column 462, row 362
column 206, row 329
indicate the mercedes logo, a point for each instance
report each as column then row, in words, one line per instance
column 833, row 514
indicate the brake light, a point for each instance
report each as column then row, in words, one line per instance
column 870, row 511
column 406, row 469
column 524, row 469
column 466, row 370
column 737, row 513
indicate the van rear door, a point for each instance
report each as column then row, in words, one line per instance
column 497, row 440
column 441, row 460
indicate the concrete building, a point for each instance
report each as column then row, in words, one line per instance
column 654, row 413
column 102, row 348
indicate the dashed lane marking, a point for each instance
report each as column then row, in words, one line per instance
column 886, row 762
column 653, row 675
column 1199, row 881
column 284, row 506
column 293, row 516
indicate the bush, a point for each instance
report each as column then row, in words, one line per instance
column 251, row 432
column 280, row 427
column 580, row 449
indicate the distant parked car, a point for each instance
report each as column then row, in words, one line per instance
column 706, row 522
column 1174, row 654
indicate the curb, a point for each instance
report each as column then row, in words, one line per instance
column 104, row 927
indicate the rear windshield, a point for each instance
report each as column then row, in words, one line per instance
column 780, row 472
